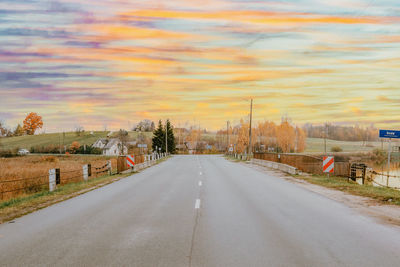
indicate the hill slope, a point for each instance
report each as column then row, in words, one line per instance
column 313, row 144
column 28, row 141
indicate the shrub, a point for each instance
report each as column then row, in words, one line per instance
column 8, row 153
column 336, row 149
column 50, row 149
column 75, row 146
column 378, row 156
column 88, row 150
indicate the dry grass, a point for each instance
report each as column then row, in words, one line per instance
column 27, row 175
column 381, row 194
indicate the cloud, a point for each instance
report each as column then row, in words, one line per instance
column 126, row 59
column 250, row 16
column 13, row 76
column 34, row 32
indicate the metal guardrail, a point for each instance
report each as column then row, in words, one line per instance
column 275, row 165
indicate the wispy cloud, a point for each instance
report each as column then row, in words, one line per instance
column 111, row 62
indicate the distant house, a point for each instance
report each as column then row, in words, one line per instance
column 194, row 147
column 111, row 146
column 181, row 148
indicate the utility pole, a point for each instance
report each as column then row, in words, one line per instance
column 251, row 117
column 65, row 150
column 326, row 133
column 389, row 151
column 198, row 147
column 227, row 136
column 179, row 136
column 166, row 137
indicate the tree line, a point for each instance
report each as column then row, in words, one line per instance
column 266, row 136
column 30, row 125
column 342, row 133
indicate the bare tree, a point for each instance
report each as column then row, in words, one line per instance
column 79, row 130
column 123, row 137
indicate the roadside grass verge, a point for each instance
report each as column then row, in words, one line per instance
column 381, row 194
column 232, row 158
column 24, row 204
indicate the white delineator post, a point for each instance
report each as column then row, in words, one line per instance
column 85, row 169
column 109, row 167
column 52, row 180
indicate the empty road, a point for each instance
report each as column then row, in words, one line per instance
column 199, row 211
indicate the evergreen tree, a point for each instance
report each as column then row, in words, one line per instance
column 159, row 138
column 170, row 138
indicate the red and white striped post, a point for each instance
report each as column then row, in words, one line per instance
column 328, row 165
column 130, row 160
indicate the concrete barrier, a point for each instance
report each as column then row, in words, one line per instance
column 277, row 166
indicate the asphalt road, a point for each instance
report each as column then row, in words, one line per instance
column 199, row 211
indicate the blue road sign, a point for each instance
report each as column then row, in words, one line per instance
column 389, row 134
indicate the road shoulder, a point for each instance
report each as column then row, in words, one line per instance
column 384, row 213
column 20, row 206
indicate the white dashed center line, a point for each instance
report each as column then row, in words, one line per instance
column 200, row 183
column 197, row 205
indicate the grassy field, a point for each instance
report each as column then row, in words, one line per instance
column 313, row 144
column 29, row 141
column 317, row 145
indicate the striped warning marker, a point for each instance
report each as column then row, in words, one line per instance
column 130, row 160
column 329, row 164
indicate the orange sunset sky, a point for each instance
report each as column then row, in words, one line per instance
column 97, row 63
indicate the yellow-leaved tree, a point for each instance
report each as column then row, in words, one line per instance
column 286, row 137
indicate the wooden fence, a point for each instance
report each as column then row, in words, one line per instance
column 305, row 163
column 13, row 187
column 139, row 159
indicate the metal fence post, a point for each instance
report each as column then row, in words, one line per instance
column 89, row 169
column 58, row 176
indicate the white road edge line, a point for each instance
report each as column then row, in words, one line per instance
column 200, row 183
column 197, row 205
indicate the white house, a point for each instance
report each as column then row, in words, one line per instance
column 111, row 147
